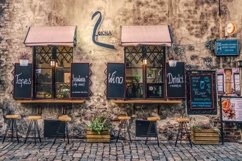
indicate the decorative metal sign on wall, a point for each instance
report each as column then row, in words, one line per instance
column 229, row 47
column 97, row 33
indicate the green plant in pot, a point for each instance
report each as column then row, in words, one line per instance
column 99, row 129
column 100, row 123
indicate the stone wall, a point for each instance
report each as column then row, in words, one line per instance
column 193, row 23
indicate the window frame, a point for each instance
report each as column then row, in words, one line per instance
column 162, row 66
column 54, row 50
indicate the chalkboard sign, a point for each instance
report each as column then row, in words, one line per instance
column 79, row 80
column 142, row 128
column 23, row 79
column 115, row 80
column 202, row 95
column 176, row 80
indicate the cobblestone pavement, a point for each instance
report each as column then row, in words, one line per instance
column 135, row 151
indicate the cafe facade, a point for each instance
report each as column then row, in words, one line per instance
column 135, row 58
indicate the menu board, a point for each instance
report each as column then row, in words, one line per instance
column 202, row 96
column 115, row 80
column 231, row 108
column 23, row 82
column 176, row 80
column 79, row 80
column 142, row 126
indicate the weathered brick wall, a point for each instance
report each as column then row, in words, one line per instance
column 193, row 22
column 4, row 19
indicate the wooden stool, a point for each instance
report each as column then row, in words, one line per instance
column 33, row 126
column 152, row 122
column 12, row 124
column 124, row 123
column 64, row 122
column 183, row 121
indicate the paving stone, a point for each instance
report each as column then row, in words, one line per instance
column 123, row 152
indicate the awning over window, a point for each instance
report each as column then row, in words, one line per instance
column 145, row 35
column 54, row 35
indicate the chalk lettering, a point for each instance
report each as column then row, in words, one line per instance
column 78, row 81
column 113, row 79
column 22, row 81
column 175, row 79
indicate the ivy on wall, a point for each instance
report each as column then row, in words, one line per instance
column 210, row 45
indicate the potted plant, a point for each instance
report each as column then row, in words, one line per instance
column 24, row 59
column 99, row 129
column 205, row 133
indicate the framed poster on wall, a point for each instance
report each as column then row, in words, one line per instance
column 201, row 92
column 231, row 108
column 228, row 81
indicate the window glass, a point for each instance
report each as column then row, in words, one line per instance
column 134, row 82
column 154, row 75
column 53, row 82
column 144, row 80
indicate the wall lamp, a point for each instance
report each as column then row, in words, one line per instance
column 144, row 55
column 52, row 63
column 172, row 62
column 144, row 61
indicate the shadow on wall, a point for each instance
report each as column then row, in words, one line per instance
column 2, row 85
column 6, row 108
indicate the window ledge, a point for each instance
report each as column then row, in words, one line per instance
column 147, row 101
column 51, row 101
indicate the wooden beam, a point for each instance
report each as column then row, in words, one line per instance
column 51, row 101
column 148, row 101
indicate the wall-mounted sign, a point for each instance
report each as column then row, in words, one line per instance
column 201, row 98
column 115, row 80
column 228, row 47
column 228, row 81
column 23, row 82
column 79, row 80
column 231, row 108
column 230, row 28
column 97, row 33
column 176, row 80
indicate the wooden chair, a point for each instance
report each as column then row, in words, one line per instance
column 11, row 123
column 183, row 129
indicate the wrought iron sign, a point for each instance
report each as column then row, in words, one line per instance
column 97, row 33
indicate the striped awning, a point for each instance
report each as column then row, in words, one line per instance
column 51, row 35
column 145, row 35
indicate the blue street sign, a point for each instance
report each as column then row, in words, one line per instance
column 229, row 47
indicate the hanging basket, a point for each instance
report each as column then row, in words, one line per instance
column 23, row 62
